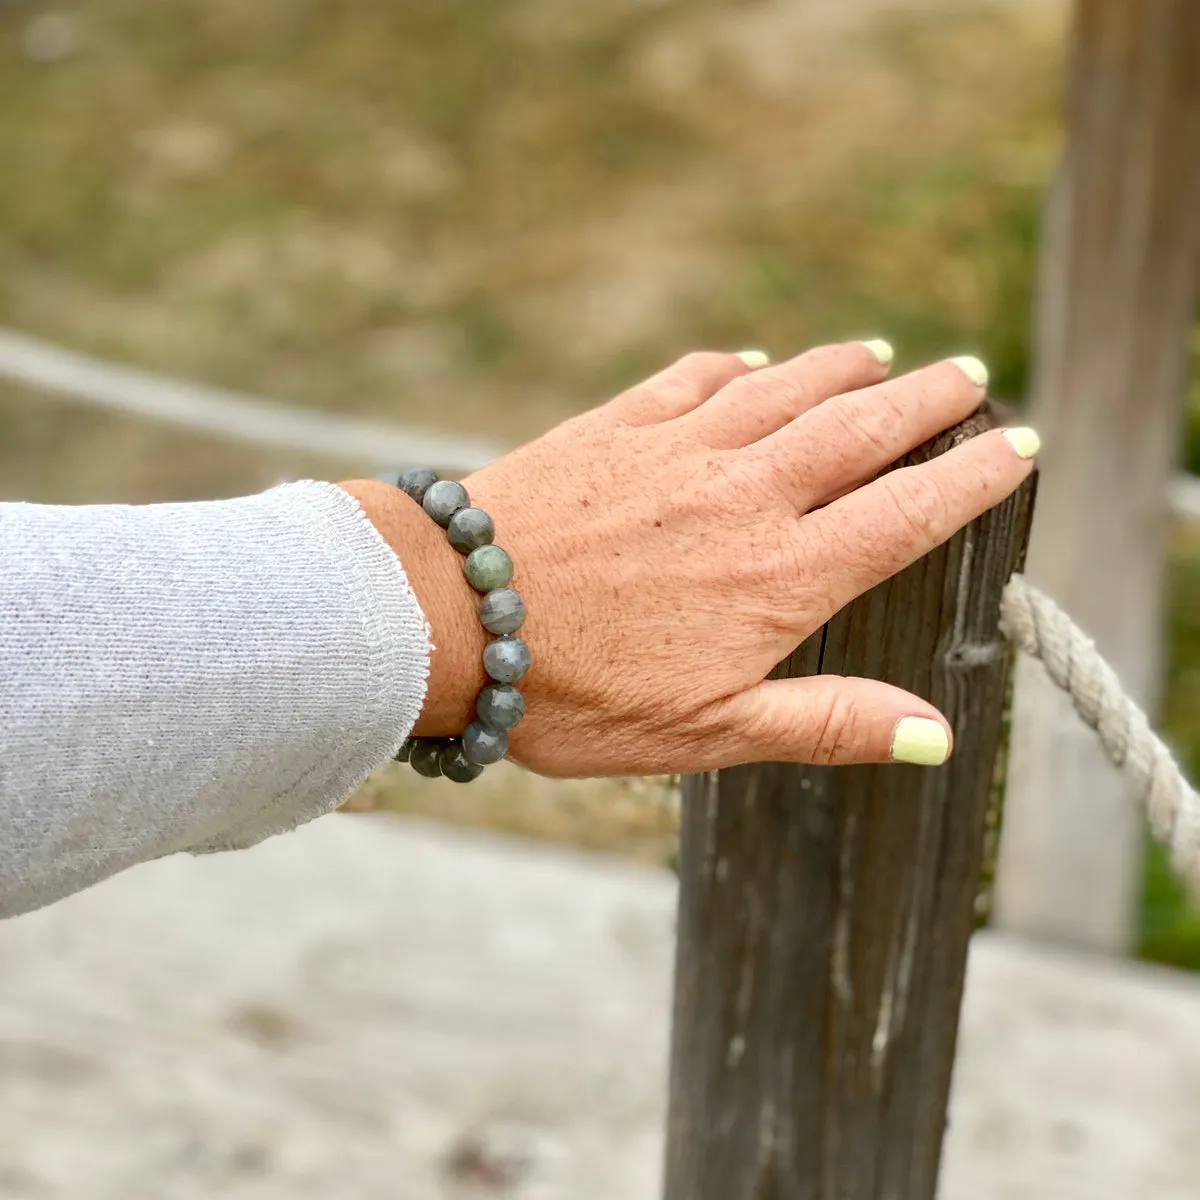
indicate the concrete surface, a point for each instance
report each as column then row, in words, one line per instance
column 373, row 1008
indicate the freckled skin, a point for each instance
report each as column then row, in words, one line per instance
column 673, row 545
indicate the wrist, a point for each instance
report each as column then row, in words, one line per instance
column 435, row 572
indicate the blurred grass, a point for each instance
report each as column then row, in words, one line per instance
column 365, row 206
column 486, row 217
column 1170, row 922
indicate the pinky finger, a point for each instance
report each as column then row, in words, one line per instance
column 683, row 386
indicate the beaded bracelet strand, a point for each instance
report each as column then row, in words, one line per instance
column 506, row 658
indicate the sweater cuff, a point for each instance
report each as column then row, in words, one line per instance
column 394, row 641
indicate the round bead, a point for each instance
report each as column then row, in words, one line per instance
column 469, row 529
column 506, row 659
column 417, row 482
column 443, row 499
column 425, row 757
column 404, row 751
column 502, row 611
column 488, row 568
column 481, row 744
column 500, row 705
column 456, row 765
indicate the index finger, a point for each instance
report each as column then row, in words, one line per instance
column 895, row 520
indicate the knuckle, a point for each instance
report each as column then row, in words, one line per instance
column 787, row 559
column 783, row 564
column 838, row 734
column 675, row 383
column 828, row 549
column 922, row 507
column 862, row 431
column 767, row 389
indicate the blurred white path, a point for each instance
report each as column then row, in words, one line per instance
column 378, row 1009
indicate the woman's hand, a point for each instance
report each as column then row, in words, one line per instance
column 675, row 544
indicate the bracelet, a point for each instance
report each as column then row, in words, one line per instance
column 506, row 658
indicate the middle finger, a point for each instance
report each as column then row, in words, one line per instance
column 838, row 445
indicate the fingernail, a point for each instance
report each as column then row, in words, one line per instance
column 972, row 368
column 921, row 741
column 754, row 358
column 882, row 351
column 1024, row 441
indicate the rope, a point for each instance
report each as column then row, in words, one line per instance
column 57, row 371
column 1032, row 621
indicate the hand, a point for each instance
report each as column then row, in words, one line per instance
column 675, row 544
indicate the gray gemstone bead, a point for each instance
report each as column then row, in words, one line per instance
column 404, row 751
column 500, row 705
column 481, row 744
column 469, row 529
column 417, row 482
column 488, row 568
column 502, row 611
column 456, row 765
column 443, row 499
column 425, row 757
column 506, row 659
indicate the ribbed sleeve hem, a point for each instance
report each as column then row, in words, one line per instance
column 396, row 650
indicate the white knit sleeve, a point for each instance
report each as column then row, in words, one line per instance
column 191, row 677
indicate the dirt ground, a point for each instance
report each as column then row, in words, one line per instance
column 370, row 1010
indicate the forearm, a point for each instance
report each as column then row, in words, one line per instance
column 191, row 677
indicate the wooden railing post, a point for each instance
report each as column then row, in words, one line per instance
column 825, row 912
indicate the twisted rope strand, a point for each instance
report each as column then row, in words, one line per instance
column 1032, row 621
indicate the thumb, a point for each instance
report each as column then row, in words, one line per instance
column 834, row 720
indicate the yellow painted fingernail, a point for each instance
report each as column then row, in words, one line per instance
column 1024, row 440
column 882, row 351
column 972, row 368
column 921, row 741
column 754, row 358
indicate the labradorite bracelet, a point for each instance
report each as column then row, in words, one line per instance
column 501, row 612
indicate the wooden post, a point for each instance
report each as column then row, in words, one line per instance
column 825, row 912
column 1120, row 264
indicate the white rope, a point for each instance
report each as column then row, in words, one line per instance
column 1185, row 496
column 1038, row 626
column 54, row 370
